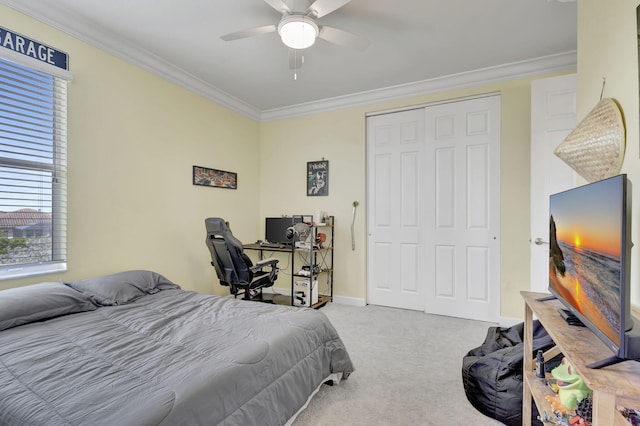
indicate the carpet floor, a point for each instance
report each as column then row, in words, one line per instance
column 407, row 370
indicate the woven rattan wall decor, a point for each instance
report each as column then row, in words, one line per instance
column 595, row 148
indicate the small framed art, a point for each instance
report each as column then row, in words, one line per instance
column 318, row 178
column 204, row 176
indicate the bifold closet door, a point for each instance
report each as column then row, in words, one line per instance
column 395, row 209
column 433, row 209
column 462, row 240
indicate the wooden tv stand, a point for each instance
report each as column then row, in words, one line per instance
column 615, row 385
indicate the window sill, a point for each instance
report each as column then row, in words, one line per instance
column 17, row 271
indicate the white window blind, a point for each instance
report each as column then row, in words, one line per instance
column 33, row 171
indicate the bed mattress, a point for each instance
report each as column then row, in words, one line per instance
column 169, row 358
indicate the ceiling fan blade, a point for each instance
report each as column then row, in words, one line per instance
column 296, row 59
column 343, row 38
column 320, row 8
column 250, row 32
column 279, row 5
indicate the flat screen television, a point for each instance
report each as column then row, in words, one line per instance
column 275, row 229
column 589, row 262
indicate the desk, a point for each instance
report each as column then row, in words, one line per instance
column 322, row 257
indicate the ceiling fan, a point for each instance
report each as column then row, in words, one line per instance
column 299, row 30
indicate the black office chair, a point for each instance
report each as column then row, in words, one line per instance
column 233, row 267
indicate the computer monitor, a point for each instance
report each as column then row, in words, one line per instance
column 275, row 229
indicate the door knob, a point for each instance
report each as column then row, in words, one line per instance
column 539, row 241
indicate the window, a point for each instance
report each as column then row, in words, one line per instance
column 33, row 172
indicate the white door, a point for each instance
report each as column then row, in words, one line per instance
column 462, row 263
column 553, row 117
column 395, row 157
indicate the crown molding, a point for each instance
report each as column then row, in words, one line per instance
column 529, row 68
column 68, row 22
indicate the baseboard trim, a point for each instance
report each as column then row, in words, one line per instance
column 279, row 290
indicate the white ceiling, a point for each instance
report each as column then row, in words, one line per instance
column 415, row 46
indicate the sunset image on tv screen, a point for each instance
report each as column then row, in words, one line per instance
column 585, row 231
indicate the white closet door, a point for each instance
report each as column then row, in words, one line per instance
column 395, row 151
column 463, row 226
column 433, row 209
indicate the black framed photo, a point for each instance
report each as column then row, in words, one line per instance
column 317, row 178
column 204, row 176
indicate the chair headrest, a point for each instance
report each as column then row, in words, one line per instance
column 220, row 228
column 216, row 225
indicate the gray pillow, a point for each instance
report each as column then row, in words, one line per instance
column 39, row 302
column 123, row 287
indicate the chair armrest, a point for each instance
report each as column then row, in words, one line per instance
column 265, row 262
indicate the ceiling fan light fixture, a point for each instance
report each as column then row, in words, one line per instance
column 297, row 31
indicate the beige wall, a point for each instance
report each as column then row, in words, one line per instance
column 339, row 137
column 607, row 47
column 133, row 139
column 285, row 147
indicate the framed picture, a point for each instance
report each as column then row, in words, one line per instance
column 317, row 178
column 216, row 178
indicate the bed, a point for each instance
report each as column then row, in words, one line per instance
column 133, row 348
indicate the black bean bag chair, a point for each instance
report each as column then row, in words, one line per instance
column 492, row 372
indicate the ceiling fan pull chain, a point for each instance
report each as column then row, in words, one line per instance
column 295, row 69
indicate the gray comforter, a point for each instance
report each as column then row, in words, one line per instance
column 173, row 357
